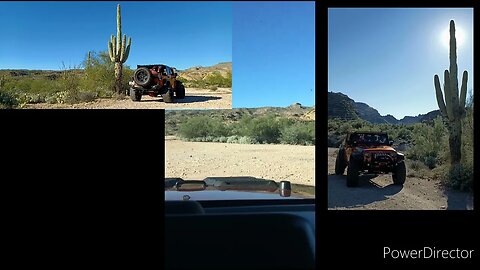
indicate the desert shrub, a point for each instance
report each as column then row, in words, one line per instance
column 221, row 139
column 241, row 140
column 216, row 79
column 203, row 126
column 7, row 100
column 429, row 141
column 298, row 133
column 264, row 129
column 418, row 169
column 460, row 176
column 99, row 75
column 213, row 88
column 213, row 80
column 468, row 136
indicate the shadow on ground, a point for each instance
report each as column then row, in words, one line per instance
column 187, row 99
column 339, row 195
column 458, row 200
column 193, row 99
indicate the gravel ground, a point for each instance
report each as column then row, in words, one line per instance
column 194, row 99
column 197, row 160
column 378, row 192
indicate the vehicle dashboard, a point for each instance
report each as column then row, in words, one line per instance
column 274, row 234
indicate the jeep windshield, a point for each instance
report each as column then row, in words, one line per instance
column 369, row 139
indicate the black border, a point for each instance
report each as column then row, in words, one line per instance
column 83, row 186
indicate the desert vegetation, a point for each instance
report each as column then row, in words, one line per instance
column 249, row 130
column 212, row 81
column 426, row 146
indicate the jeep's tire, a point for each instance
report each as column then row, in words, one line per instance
column 135, row 95
column 399, row 173
column 340, row 163
column 142, row 76
column 168, row 96
column 353, row 172
column 180, row 91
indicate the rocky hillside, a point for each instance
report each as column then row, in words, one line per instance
column 201, row 73
column 343, row 107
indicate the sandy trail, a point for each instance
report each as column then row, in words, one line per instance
column 197, row 160
column 194, row 99
column 378, row 192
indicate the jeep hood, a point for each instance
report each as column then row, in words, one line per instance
column 215, row 195
column 230, row 188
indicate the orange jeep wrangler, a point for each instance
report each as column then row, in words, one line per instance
column 369, row 152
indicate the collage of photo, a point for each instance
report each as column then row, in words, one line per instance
column 235, row 88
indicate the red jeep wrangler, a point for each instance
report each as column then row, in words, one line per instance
column 154, row 80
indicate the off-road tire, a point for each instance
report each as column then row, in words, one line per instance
column 340, row 163
column 399, row 173
column 135, row 95
column 180, row 91
column 353, row 172
column 142, row 76
column 168, row 96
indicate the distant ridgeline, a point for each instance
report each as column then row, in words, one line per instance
column 342, row 107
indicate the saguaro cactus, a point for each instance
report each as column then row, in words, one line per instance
column 118, row 51
column 453, row 108
column 89, row 61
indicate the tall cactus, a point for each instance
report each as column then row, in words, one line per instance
column 89, row 61
column 453, row 108
column 118, row 51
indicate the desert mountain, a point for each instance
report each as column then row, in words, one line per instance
column 201, row 73
column 343, row 107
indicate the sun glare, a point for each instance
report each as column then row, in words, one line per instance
column 459, row 34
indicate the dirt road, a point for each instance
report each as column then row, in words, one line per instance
column 194, row 99
column 379, row 193
column 197, row 160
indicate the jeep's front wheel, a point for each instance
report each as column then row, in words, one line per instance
column 180, row 91
column 353, row 172
column 399, row 173
column 135, row 95
column 340, row 163
column 168, row 96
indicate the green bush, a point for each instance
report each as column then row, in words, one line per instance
column 265, row 129
column 429, row 143
column 7, row 101
column 203, row 126
column 298, row 133
column 460, row 176
column 241, row 140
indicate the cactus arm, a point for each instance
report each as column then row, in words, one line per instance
column 127, row 51
column 448, row 97
column 438, row 91
column 122, row 50
column 110, row 51
column 463, row 91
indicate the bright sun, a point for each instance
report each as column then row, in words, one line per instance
column 459, row 34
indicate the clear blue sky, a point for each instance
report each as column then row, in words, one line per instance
column 387, row 57
column 273, row 53
column 40, row 35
